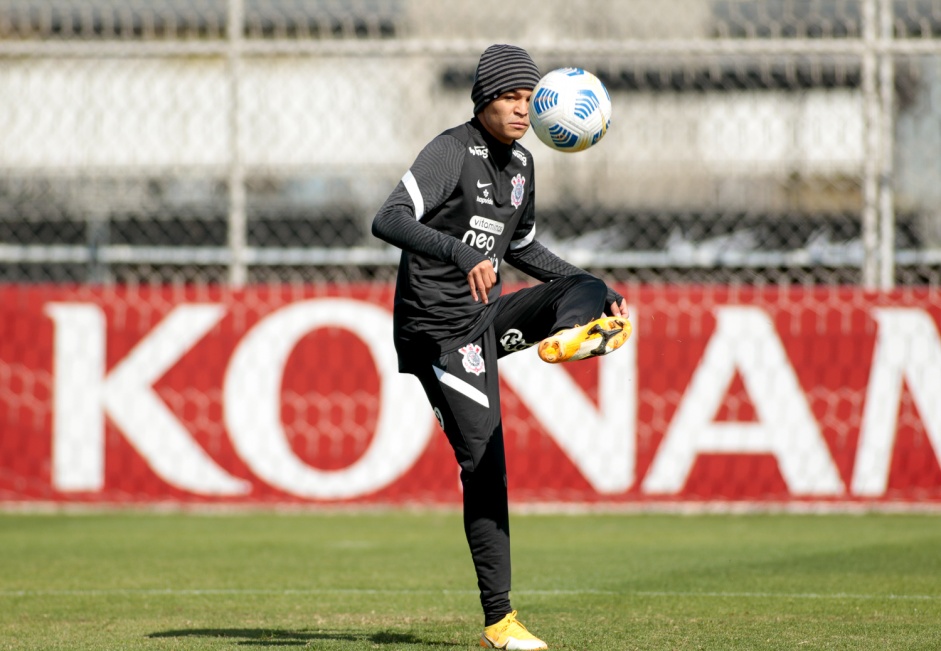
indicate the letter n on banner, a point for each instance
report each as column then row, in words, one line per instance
column 745, row 340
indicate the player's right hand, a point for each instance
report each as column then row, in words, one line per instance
column 481, row 279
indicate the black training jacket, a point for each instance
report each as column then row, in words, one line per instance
column 466, row 198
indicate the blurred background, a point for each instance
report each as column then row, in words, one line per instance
column 239, row 141
column 192, row 306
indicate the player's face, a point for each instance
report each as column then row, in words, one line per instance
column 507, row 117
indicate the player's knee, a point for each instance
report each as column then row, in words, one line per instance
column 592, row 288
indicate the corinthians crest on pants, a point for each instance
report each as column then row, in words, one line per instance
column 473, row 361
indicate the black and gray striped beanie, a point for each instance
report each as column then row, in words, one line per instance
column 502, row 68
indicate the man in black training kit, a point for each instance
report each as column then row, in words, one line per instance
column 464, row 207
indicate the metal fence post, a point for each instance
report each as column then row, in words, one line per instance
column 887, row 142
column 872, row 147
column 237, row 221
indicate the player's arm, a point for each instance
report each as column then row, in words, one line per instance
column 528, row 255
column 537, row 261
column 396, row 224
column 425, row 186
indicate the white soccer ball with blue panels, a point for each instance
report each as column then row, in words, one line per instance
column 570, row 109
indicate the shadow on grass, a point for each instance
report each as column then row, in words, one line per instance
column 303, row 637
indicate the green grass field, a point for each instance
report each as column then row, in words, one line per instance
column 403, row 580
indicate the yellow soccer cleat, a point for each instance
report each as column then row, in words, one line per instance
column 511, row 635
column 599, row 337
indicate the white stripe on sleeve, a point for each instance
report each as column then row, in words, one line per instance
column 525, row 241
column 412, row 186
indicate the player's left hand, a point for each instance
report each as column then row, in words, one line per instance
column 619, row 309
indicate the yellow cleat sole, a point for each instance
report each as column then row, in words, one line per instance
column 599, row 337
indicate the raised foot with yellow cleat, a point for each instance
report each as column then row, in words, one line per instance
column 599, row 337
column 511, row 635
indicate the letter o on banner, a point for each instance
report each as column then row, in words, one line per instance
column 252, row 403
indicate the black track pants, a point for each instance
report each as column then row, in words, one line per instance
column 464, row 390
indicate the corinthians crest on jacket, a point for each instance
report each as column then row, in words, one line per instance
column 517, row 197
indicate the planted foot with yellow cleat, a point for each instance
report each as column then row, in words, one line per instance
column 599, row 337
column 511, row 635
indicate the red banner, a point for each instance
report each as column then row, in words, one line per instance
column 291, row 395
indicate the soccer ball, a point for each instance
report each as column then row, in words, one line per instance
column 570, row 109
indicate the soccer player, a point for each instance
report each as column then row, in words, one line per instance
column 464, row 208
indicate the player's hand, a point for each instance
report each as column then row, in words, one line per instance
column 619, row 309
column 481, row 279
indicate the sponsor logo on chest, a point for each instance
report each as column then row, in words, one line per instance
column 486, row 198
column 487, row 225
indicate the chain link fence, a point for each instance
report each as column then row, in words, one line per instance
column 215, row 141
